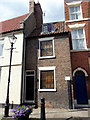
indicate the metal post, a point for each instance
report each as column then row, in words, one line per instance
column 42, row 108
column 7, row 98
column 12, row 105
column 70, row 94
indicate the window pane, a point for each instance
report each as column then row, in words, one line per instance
column 49, row 27
column 81, row 44
column 48, row 44
column 79, row 15
column 74, row 34
column 45, row 28
column 72, row 17
column 43, row 52
column 74, row 44
column 44, row 76
column 46, row 48
column 80, row 33
column 78, row 39
column 77, row 8
column 43, row 44
column 1, row 49
column 49, row 52
column 71, row 10
column 47, row 80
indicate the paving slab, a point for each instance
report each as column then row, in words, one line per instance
column 55, row 114
column 71, row 118
column 60, row 113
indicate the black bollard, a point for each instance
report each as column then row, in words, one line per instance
column 42, row 108
column 12, row 105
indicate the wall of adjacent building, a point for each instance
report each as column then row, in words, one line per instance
column 81, row 58
column 15, row 82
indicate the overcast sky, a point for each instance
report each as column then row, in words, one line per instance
column 54, row 9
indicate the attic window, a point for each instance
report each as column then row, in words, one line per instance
column 47, row 28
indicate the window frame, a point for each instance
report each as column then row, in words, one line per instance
column 46, row 39
column 75, row 13
column 75, row 4
column 2, row 43
column 85, row 46
column 52, row 68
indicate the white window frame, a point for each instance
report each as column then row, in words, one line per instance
column 47, row 69
column 84, row 39
column 74, row 4
column 2, row 43
column 77, row 26
column 46, row 39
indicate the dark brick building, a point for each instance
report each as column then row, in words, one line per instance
column 53, row 51
column 46, row 61
column 77, row 18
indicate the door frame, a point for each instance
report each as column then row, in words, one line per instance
column 27, row 101
column 75, row 100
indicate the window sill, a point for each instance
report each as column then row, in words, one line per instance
column 78, row 50
column 77, row 20
column 47, row 57
column 47, row 90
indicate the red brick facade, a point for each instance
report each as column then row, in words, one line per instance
column 80, row 58
column 85, row 10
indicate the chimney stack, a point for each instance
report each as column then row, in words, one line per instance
column 31, row 6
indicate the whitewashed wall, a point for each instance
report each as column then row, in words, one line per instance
column 15, row 83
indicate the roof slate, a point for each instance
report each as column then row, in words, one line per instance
column 11, row 24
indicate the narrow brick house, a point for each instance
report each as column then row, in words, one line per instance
column 77, row 18
column 46, row 61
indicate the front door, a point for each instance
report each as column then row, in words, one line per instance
column 81, row 91
column 29, row 87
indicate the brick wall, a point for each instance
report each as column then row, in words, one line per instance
column 38, row 15
column 85, row 10
column 66, row 11
column 63, row 68
column 81, row 58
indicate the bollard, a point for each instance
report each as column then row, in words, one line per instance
column 12, row 105
column 42, row 108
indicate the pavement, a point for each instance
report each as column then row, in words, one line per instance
column 56, row 114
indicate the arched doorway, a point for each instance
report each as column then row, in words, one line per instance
column 80, row 86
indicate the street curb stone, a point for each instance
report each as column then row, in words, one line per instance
column 71, row 118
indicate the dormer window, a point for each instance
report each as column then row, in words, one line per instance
column 47, row 28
